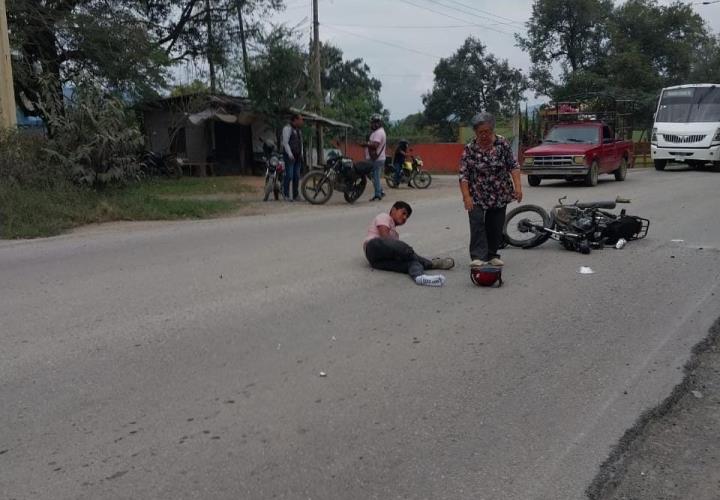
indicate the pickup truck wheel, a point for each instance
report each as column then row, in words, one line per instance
column 660, row 164
column 591, row 179
column 621, row 171
column 534, row 180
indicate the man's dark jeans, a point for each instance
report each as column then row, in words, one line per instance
column 292, row 173
column 486, row 227
column 395, row 255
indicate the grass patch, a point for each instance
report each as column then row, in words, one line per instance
column 27, row 212
column 189, row 186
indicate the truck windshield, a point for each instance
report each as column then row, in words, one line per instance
column 687, row 105
column 564, row 135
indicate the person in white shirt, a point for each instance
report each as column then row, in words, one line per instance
column 385, row 251
column 375, row 151
column 292, row 146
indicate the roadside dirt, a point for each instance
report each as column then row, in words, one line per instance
column 252, row 203
column 673, row 451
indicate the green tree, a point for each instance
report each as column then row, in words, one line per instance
column 350, row 93
column 73, row 40
column 706, row 62
column 658, row 40
column 278, row 77
column 572, row 33
column 469, row 81
column 413, row 128
column 194, row 87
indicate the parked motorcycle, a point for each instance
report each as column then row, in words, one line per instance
column 577, row 226
column 339, row 173
column 274, row 171
column 154, row 164
column 411, row 173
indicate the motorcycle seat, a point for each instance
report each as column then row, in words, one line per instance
column 597, row 204
column 363, row 167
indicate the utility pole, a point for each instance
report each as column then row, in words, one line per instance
column 210, row 45
column 317, row 82
column 7, row 92
column 246, row 63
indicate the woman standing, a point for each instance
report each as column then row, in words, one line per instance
column 489, row 180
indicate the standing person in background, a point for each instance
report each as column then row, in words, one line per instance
column 401, row 153
column 292, row 146
column 375, row 151
column 489, row 180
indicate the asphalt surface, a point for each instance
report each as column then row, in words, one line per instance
column 183, row 360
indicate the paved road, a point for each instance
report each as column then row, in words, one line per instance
column 182, row 360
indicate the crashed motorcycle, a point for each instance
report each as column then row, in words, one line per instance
column 578, row 226
column 339, row 173
column 411, row 174
column 274, row 171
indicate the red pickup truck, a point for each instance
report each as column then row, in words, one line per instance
column 578, row 151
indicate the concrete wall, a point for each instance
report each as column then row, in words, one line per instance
column 440, row 158
column 158, row 125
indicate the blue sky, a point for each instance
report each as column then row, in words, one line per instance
column 402, row 40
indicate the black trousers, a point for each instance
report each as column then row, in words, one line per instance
column 394, row 255
column 486, row 227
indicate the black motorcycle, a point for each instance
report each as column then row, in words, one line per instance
column 577, row 226
column 274, row 171
column 339, row 173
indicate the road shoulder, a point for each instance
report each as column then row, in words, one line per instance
column 672, row 452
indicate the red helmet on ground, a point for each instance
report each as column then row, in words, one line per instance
column 486, row 275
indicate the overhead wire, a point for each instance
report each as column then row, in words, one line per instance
column 390, row 44
column 399, row 26
column 495, row 22
column 456, row 18
column 472, row 7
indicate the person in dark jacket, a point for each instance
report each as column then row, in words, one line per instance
column 292, row 146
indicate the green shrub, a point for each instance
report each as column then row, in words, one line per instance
column 23, row 161
column 93, row 138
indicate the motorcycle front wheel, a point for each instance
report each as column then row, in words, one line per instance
column 520, row 226
column 269, row 186
column 422, row 180
column 316, row 187
column 355, row 190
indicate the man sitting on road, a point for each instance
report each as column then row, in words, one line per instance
column 385, row 251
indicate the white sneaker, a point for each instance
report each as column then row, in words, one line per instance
column 430, row 280
column 477, row 263
column 496, row 262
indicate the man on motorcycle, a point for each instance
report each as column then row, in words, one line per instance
column 385, row 251
column 399, row 158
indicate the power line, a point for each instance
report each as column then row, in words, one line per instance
column 389, row 44
column 455, row 18
column 469, row 13
column 397, row 26
column 488, row 12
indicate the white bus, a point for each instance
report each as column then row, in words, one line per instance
column 687, row 126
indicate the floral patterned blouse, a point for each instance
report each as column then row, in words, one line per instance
column 488, row 173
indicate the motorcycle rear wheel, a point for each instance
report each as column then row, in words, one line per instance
column 517, row 230
column 421, row 180
column 356, row 190
column 316, row 187
column 390, row 181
